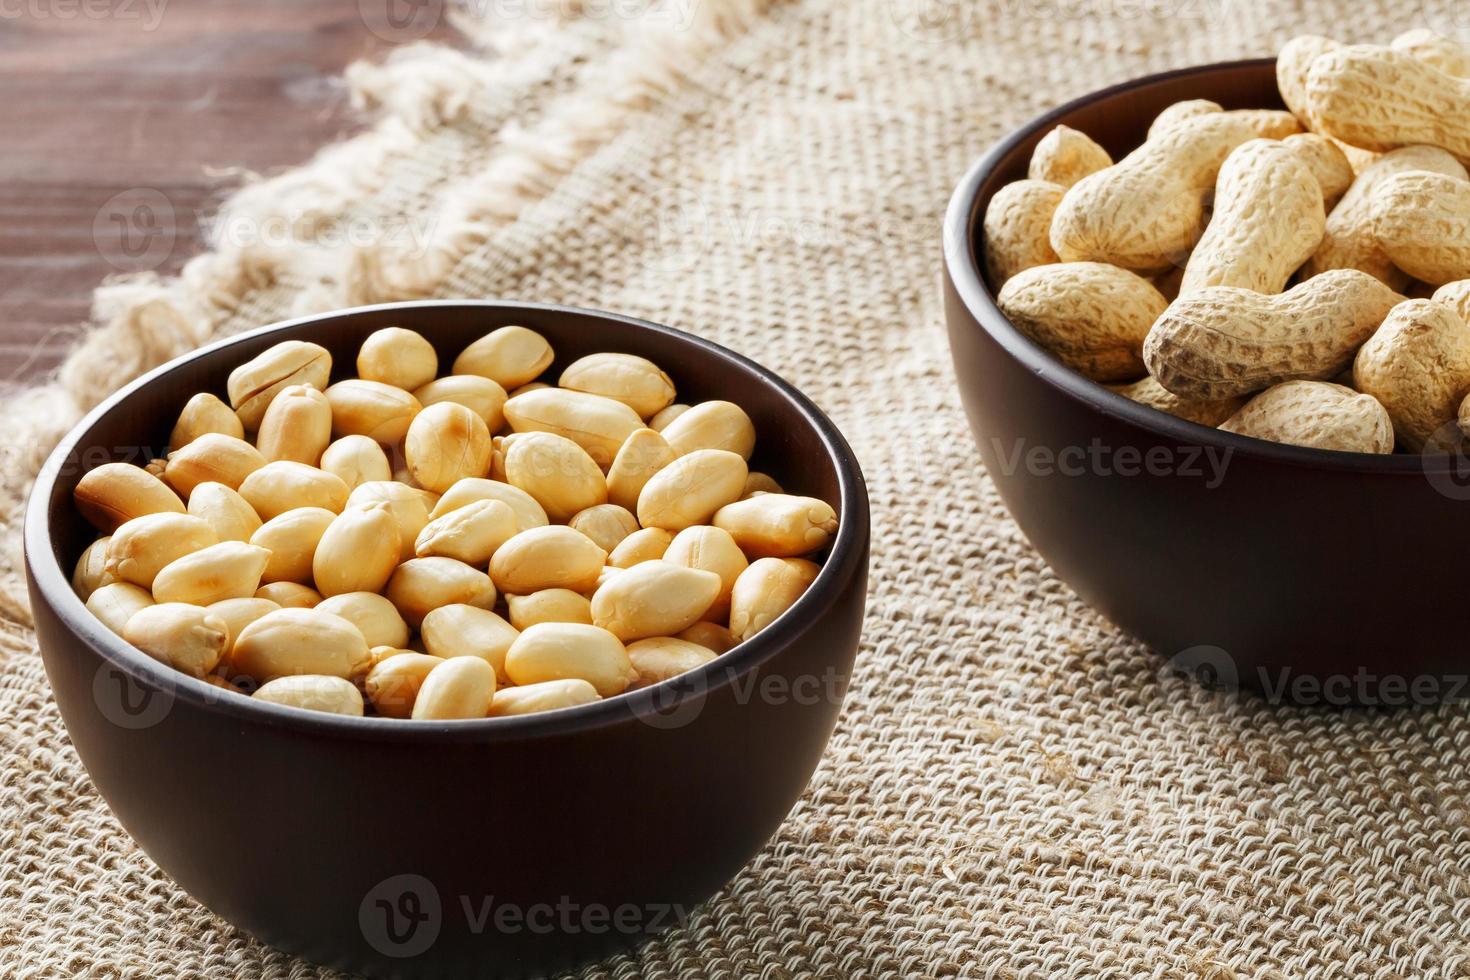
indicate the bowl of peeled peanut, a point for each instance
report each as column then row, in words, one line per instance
column 431, row 638
column 1210, row 328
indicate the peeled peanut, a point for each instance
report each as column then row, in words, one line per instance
column 509, row 356
column 292, row 538
column 1418, row 365
column 445, row 444
column 114, row 493
column 297, row 426
column 654, row 598
column 758, row 482
column 375, row 617
column 253, row 385
column 471, row 533
column 228, row 570
column 1066, row 155
column 1315, row 414
column 371, row 408
column 290, row 595
column 644, row 453
column 689, row 490
column 299, row 641
column 358, row 551
column 224, row 510
column 644, row 545
column 185, row 637
column 711, row 636
column 549, row 606
column 712, row 425
column 765, row 590
column 283, row 485
column 393, row 684
column 606, row 524
column 712, row 549
column 454, row 689
column 204, row 413
column 211, row 458
column 1017, row 228
column 458, row 630
column 409, row 507
column 528, row 513
column 661, row 658
column 599, row 425
column 356, row 460
column 562, row 651
column 480, row 395
column 91, row 573
column 555, row 471
column 662, row 419
column 778, row 525
column 115, row 603
column 237, row 614
column 398, row 357
column 545, row 696
column 421, row 585
column 551, row 557
column 139, row 549
column 635, row 381
column 333, row 695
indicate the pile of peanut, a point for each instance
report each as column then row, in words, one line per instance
column 528, row 551
column 1301, row 276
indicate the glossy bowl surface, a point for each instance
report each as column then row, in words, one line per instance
column 1312, row 576
column 507, row 847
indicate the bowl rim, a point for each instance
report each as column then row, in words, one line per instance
column 847, row 552
column 962, row 265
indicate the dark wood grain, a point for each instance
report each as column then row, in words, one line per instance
column 131, row 99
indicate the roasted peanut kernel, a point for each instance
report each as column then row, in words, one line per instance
column 605, row 576
column 356, row 460
column 661, row 420
column 458, row 630
column 202, row 414
column 370, row 408
column 283, row 485
column 393, row 684
column 689, row 490
column 458, row 688
column 660, row 658
column 299, row 641
column 297, row 426
column 237, row 614
column 358, row 551
column 421, row 585
column 292, row 539
column 528, row 513
column 606, row 524
column 635, row 381
column 290, row 595
column 528, row 386
column 712, row 425
column 765, row 590
column 509, row 356
column 211, row 458
column 115, row 603
column 398, row 357
column 549, row 606
column 409, row 508
column 253, row 385
column 140, row 549
column 647, row 544
column 313, row 693
column 91, row 573
column 480, row 395
column 758, row 482
column 562, row 651
column 552, row 557
column 644, row 453
column 778, row 525
column 555, row 471
column 374, row 616
column 711, row 636
column 185, row 637
column 599, row 425
column 225, row 511
column 471, row 533
column 713, row 550
column 228, row 570
column 545, row 696
column 446, row 443
column 115, row 493
column 653, row 598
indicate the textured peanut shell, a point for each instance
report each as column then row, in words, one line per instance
column 1316, row 414
column 1211, row 412
column 1224, row 341
column 1268, row 220
column 1066, row 155
column 1091, row 315
column 1018, row 228
column 1418, row 365
column 1422, row 221
column 1457, row 295
column 1147, row 211
column 1175, row 114
column 1348, row 241
column 1380, row 99
column 1328, row 163
column 1292, row 62
column 1435, row 50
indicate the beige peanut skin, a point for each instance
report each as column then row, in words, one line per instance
column 1211, row 412
column 1225, row 341
column 1292, row 62
column 1092, row 316
column 1268, row 220
column 1381, row 99
column 1146, row 212
column 1435, row 50
column 1172, row 115
column 1316, row 414
column 1418, row 365
column 1018, row 228
column 1422, row 222
column 1066, row 155
column 1349, row 241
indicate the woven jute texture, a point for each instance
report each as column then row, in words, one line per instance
column 1015, row 788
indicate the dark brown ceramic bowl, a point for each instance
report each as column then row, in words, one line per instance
column 504, row 847
column 1311, row 575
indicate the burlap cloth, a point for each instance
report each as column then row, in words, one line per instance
column 1015, row 789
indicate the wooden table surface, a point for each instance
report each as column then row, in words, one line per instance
column 104, row 103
